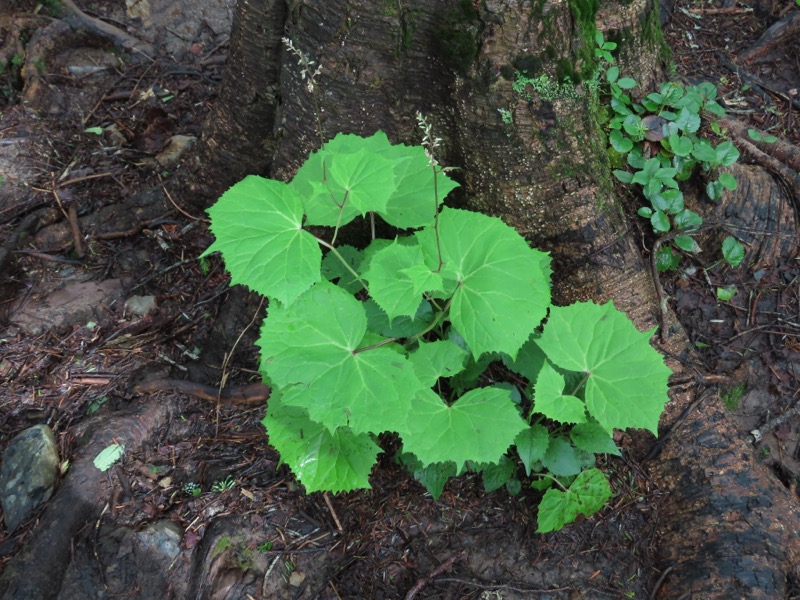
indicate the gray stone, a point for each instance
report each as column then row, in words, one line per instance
column 162, row 539
column 175, row 148
column 28, row 473
column 140, row 306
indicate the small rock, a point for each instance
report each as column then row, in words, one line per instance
column 176, row 146
column 74, row 304
column 28, row 473
column 296, row 579
column 161, row 539
column 140, row 306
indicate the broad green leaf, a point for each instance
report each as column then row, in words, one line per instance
column 394, row 283
column 704, row 152
column 620, row 107
column 626, row 83
column 434, row 477
column 732, row 251
column 612, row 74
column 667, row 259
column 503, row 285
column 529, row 360
column 627, row 379
column 550, row 400
column 108, row 456
column 680, row 145
column 620, row 142
column 686, row 243
column 587, row 494
column 726, row 293
column 714, row 190
column 633, row 126
column 635, row 159
column 623, row 176
column 561, row 459
column 361, row 165
column 432, row 360
column 688, row 121
column 350, row 176
column 707, row 90
column 728, row 181
column 660, row 222
column 360, row 179
column 531, row 445
column 760, row 137
column 687, row 219
column 258, row 225
column 337, row 461
column 714, row 108
column 315, row 343
column 593, row 438
column 480, row 426
column 411, row 204
column 333, row 269
column 645, row 211
column 401, row 327
column 312, row 184
column 496, row 476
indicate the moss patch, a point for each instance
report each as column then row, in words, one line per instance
column 458, row 36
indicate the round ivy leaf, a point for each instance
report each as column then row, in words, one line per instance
column 660, row 222
column 728, row 181
column 732, row 251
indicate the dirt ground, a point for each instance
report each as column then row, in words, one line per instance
column 89, row 226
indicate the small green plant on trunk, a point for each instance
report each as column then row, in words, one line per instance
column 658, row 139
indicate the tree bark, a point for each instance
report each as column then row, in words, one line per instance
column 729, row 528
column 238, row 137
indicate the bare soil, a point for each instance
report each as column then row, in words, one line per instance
column 81, row 206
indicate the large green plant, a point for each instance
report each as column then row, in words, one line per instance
column 409, row 335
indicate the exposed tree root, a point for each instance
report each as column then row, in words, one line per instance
column 107, row 31
column 783, row 151
column 778, row 34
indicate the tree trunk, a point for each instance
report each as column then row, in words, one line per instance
column 537, row 162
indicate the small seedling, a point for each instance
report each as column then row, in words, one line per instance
column 223, row 485
column 760, row 137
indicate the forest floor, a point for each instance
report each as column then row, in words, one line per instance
column 82, row 140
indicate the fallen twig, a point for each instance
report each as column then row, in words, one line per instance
column 756, row 435
column 425, row 581
column 254, row 393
